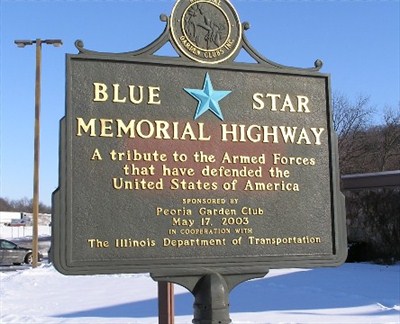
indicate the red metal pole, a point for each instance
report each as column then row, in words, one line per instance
column 166, row 312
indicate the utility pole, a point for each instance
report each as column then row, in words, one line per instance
column 35, row 212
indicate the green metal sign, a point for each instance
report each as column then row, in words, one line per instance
column 196, row 162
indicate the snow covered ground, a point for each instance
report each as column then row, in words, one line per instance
column 352, row 293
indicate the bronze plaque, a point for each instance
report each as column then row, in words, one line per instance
column 163, row 165
column 206, row 31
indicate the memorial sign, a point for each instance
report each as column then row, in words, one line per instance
column 196, row 162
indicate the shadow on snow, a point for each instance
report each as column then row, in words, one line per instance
column 298, row 291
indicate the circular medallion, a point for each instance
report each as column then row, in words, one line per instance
column 206, row 31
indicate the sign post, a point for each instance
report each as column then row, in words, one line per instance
column 165, row 303
column 200, row 170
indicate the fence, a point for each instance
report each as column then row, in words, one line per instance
column 15, row 232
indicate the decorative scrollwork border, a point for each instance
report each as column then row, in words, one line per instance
column 165, row 37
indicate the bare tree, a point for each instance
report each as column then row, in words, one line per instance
column 384, row 142
column 351, row 121
column 4, row 204
column 22, row 205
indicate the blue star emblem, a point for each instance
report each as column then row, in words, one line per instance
column 208, row 98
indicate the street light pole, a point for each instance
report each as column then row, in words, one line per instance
column 35, row 212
